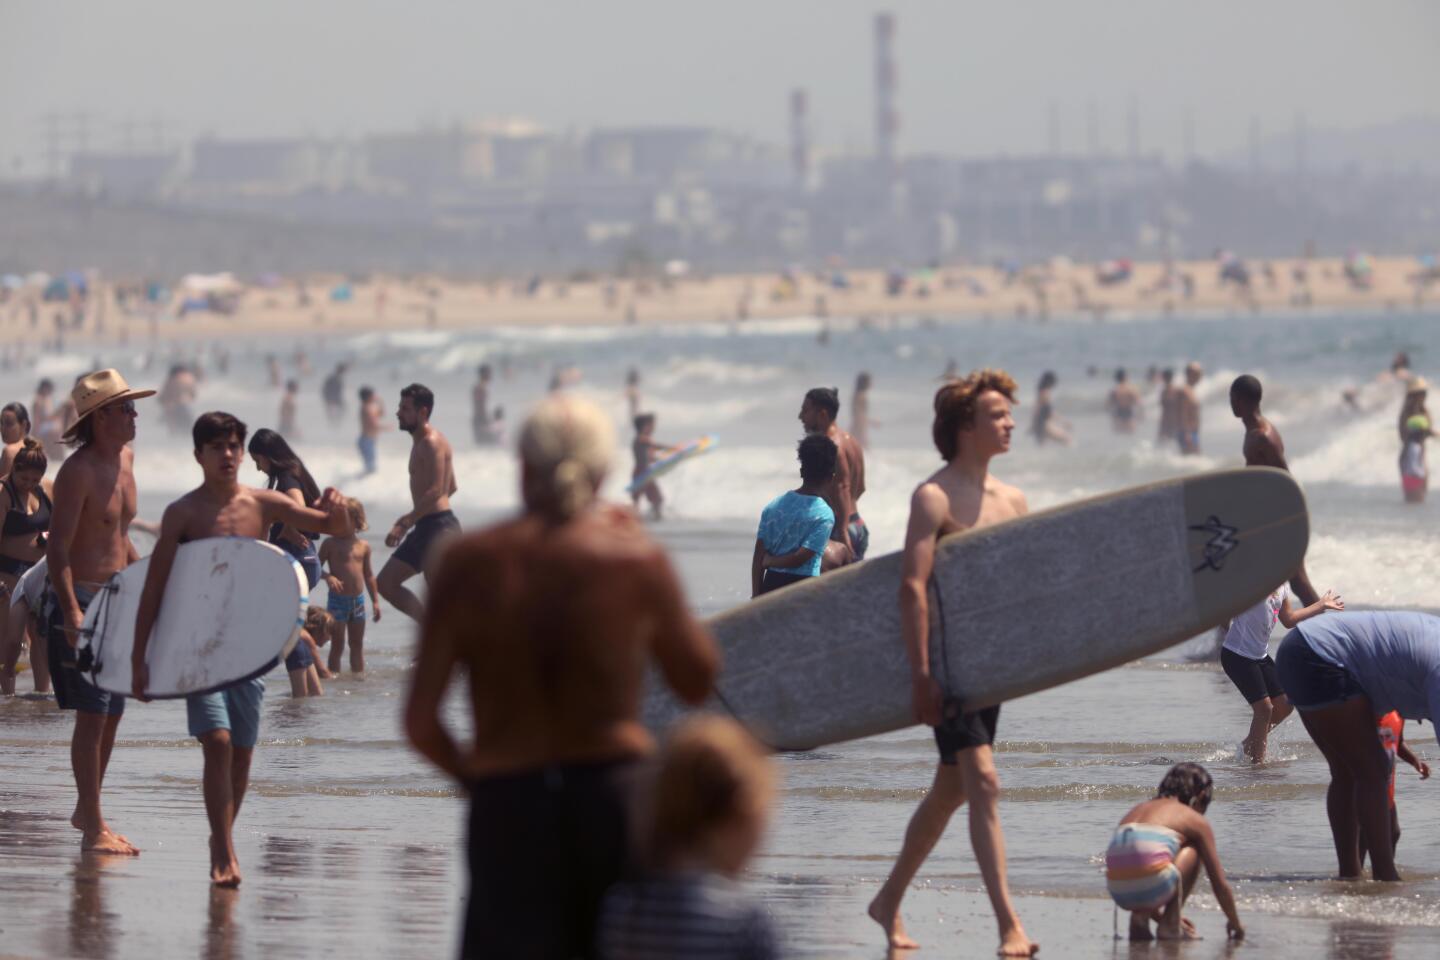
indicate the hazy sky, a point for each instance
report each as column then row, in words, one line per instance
column 974, row 77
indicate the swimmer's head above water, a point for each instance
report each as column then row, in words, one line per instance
column 566, row 447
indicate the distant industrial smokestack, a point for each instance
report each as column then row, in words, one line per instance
column 887, row 115
column 800, row 135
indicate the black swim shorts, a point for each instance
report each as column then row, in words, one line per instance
column 544, row 847
column 1255, row 679
column 415, row 549
column 965, row 731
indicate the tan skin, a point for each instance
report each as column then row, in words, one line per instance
column 556, row 675
column 849, row 469
column 1187, row 409
column 1198, row 849
column 26, row 483
column 1263, row 447
column 12, row 433
column 348, row 560
column 94, row 501
column 432, row 483
column 960, row 496
column 1124, row 398
column 221, row 507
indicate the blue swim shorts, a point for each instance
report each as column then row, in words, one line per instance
column 346, row 609
column 236, row 709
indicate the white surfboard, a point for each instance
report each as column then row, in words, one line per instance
column 233, row 608
column 1014, row 609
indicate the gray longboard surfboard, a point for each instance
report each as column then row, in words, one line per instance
column 232, row 608
column 1014, row 609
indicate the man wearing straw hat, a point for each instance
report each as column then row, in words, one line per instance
column 94, row 502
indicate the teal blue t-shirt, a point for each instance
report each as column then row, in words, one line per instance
column 793, row 520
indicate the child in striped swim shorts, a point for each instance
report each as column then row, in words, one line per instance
column 1155, row 856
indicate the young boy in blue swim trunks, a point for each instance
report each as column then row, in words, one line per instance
column 350, row 577
column 227, row 722
column 1155, row 855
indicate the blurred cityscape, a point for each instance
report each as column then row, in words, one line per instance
column 495, row 196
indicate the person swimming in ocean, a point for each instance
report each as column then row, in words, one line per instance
column 1155, row 855
column 1123, row 403
column 1046, row 426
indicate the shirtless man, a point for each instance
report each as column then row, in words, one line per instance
column 371, row 426
column 226, row 722
column 432, row 483
column 94, row 501
column 1169, row 407
column 973, row 424
column 480, row 424
column 1187, row 411
column 817, row 414
column 555, row 682
column 1263, row 447
column 1123, row 404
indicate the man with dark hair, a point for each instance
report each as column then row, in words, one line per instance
column 817, row 414
column 481, row 425
column 93, row 501
column 432, row 484
column 1263, row 447
column 332, row 391
column 1123, row 404
column 973, row 424
column 1169, row 407
column 226, row 722
column 795, row 526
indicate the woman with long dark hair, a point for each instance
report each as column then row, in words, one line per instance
column 25, row 507
column 287, row 473
column 14, row 428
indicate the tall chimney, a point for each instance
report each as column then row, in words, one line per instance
column 800, row 135
column 887, row 115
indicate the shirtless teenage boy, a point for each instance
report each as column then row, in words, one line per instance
column 972, row 425
column 817, row 415
column 1187, row 410
column 432, row 483
column 94, row 502
column 227, row 722
column 575, row 600
column 1263, row 447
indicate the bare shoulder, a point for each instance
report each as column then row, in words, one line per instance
column 1012, row 495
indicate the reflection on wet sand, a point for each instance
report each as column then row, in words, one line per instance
column 222, row 934
column 94, row 930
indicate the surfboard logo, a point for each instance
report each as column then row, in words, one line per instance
column 1222, row 542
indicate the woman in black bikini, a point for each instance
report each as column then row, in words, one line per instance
column 25, row 506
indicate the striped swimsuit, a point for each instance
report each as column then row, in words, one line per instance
column 1140, row 869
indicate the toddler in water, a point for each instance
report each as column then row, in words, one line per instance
column 711, row 804
column 305, row 682
column 1392, row 738
column 1414, row 479
column 1155, row 855
column 647, row 451
column 350, row 578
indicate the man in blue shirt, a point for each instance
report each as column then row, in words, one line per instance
column 796, row 526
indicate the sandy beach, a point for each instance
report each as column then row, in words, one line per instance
column 1055, row 290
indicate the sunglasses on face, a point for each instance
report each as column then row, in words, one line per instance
column 126, row 407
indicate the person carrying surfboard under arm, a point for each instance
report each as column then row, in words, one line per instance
column 576, row 600
column 818, row 412
column 973, row 424
column 226, row 722
column 94, row 501
column 647, row 450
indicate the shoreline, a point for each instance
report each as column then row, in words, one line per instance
column 1055, row 291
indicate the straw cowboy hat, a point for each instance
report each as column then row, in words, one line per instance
column 99, row 389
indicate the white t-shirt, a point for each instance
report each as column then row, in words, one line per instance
column 1249, row 633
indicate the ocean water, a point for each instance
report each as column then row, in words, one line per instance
column 349, row 842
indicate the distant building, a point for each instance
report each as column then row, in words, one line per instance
column 123, row 175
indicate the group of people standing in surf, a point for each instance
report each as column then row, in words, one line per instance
column 584, row 839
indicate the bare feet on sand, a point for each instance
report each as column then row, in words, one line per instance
column 224, row 868
column 894, row 927
column 1016, row 944
column 105, row 841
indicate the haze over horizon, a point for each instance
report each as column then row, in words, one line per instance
column 972, row 79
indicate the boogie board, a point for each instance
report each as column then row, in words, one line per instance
column 1014, row 609
column 671, row 460
column 233, row 607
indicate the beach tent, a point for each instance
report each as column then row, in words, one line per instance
column 57, row 290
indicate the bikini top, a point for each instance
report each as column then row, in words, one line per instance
column 18, row 523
